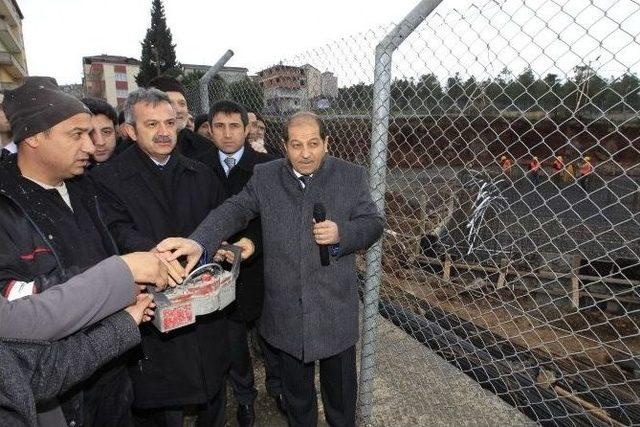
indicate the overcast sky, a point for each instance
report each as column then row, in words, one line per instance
column 59, row 33
column 470, row 37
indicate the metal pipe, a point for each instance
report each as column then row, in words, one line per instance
column 377, row 177
column 204, row 80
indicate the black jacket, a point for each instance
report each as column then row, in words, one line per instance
column 191, row 144
column 28, row 252
column 4, row 154
column 185, row 366
column 250, row 290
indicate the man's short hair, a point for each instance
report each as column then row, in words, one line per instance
column 229, row 107
column 199, row 121
column 307, row 115
column 99, row 106
column 121, row 117
column 150, row 95
column 258, row 116
column 167, row 84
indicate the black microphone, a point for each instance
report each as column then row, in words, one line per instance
column 320, row 214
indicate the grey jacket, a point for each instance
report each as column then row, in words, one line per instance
column 66, row 308
column 35, row 371
column 310, row 311
column 56, row 313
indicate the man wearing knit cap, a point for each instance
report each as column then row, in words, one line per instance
column 53, row 219
column 190, row 144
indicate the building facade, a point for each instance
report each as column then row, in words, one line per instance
column 287, row 88
column 13, row 61
column 110, row 77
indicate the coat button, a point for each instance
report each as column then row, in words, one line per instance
column 50, row 237
column 72, row 423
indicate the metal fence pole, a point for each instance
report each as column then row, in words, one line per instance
column 377, row 177
column 204, row 80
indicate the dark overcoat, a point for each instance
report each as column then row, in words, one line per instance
column 185, row 366
column 250, row 290
column 310, row 311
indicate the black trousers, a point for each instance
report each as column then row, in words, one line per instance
column 107, row 402
column 210, row 414
column 241, row 369
column 338, row 383
column 271, row 360
column 241, row 374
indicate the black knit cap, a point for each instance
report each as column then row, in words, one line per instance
column 38, row 105
column 167, row 84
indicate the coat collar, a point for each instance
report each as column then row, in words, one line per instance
column 319, row 175
column 131, row 164
column 248, row 160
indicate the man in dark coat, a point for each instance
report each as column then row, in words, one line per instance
column 150, row 192
column 190, row 144
column 233, row 160
column 310, row 310
column 104, row 134
column 52, row 218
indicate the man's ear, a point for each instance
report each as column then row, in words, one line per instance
column 34, row 141
column 131, row 131
column 326, row 144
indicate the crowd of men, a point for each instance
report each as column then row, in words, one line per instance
column 97, row 207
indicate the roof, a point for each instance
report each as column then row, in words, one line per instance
column 110, row 59
column 17, row 8
column 206, row 67
column 278, row 67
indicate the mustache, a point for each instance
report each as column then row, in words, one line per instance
column 162, row 138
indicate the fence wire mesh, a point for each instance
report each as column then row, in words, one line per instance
column 511, row 245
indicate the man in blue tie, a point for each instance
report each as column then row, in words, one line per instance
column 232, row 159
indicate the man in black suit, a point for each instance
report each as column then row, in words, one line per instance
column 150, row 192
column 233, row 160
column 190, row 144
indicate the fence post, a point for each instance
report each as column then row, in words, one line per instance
column 377, row 178
column 204, row 80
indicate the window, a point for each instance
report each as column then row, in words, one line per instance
column 122, row 93
column 122, row 77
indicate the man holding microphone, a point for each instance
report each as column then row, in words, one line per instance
column 310, row 308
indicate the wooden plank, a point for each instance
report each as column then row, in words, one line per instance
column 502, row 278
column 446, row 272
column 575, row 281
column 538, row 274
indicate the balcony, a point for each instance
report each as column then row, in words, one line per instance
column 9, row 38
column 13, row 66
column 8, row 10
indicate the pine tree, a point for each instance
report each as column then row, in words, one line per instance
column 158, row 50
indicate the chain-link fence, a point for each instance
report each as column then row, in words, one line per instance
column 511, row 193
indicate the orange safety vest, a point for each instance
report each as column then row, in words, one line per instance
column 534, row 166
column 586, row 169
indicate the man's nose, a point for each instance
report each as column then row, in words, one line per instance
column 98, row 140
column 87, row 144
column 163, row 129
